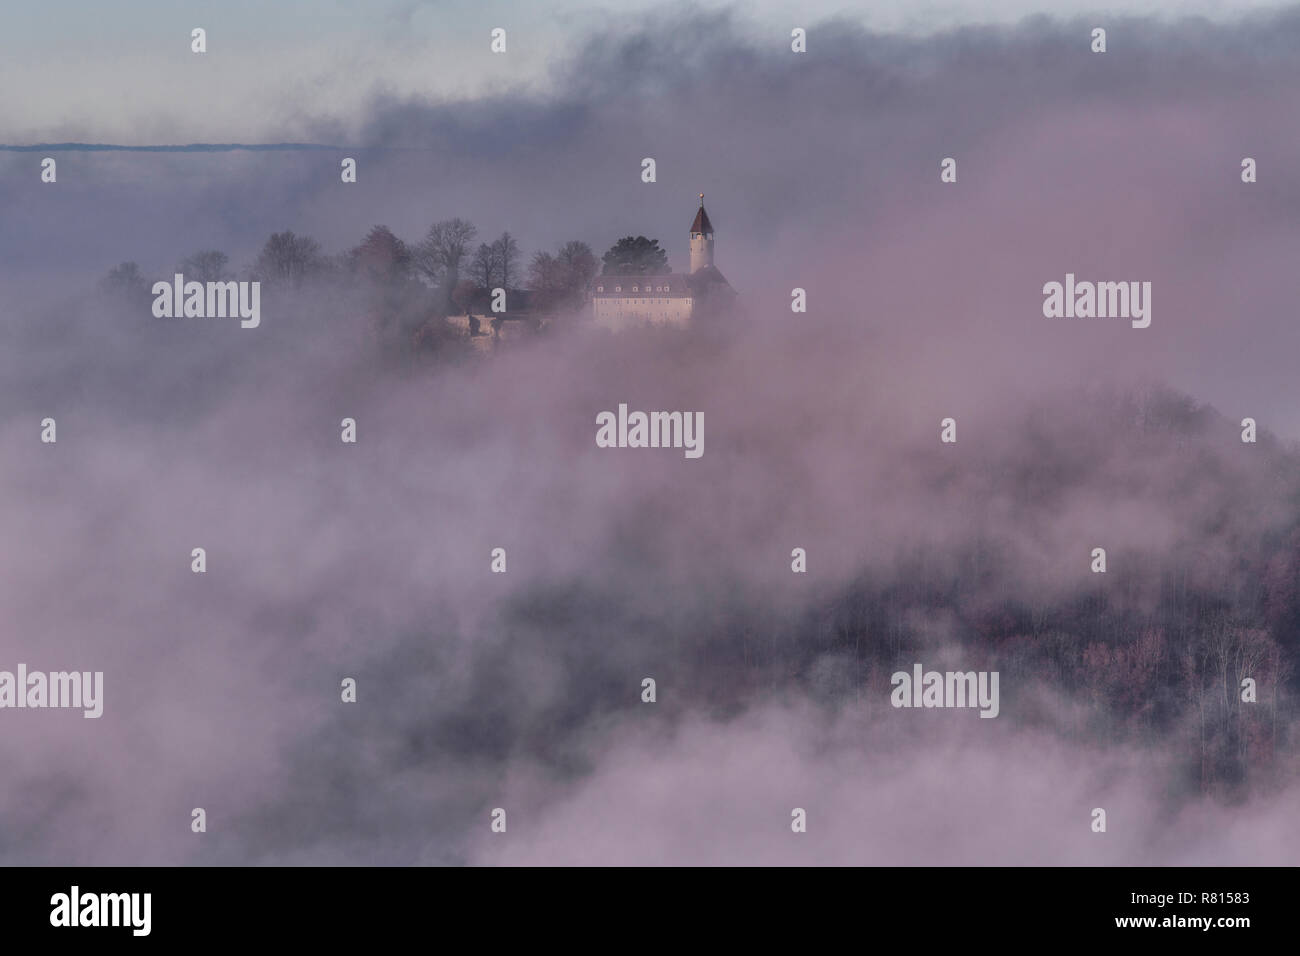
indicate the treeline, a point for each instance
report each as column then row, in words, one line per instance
column 1193, row 663
column 404, row 290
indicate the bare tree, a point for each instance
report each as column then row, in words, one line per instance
column 440, row 255
column 580, row 262
column 289, row 258
column 125, row 281
column 505, row 250
column 207, row 265
column 561, row 279
column 545, row 276
column 483, row 270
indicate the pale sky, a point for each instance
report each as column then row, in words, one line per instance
column 84, row 70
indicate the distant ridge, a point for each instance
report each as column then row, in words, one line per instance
column 189, row 148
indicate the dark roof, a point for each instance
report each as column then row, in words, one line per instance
column 709, row 279
column 701, row 223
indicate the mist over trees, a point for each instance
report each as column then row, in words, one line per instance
column 289, row 259
column 1121, row 689
column 440, row 255
column 496, row 263
column 1167, row 670
column 561, row 280
column 397, row 306
column 381, row 257
column 405, row 291
column 208, row 265
column 408, row 286
column 125, row 282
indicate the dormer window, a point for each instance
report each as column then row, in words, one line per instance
column 618, row 288
column 667, row 288
column 634, row 288
column 600, row 288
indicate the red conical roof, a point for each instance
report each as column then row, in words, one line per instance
column 701, row 223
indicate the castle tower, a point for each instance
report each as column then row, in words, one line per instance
column 701, row 239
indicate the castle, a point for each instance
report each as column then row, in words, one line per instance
column 619, row 301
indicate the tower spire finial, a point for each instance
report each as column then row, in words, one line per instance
column 701, row 200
